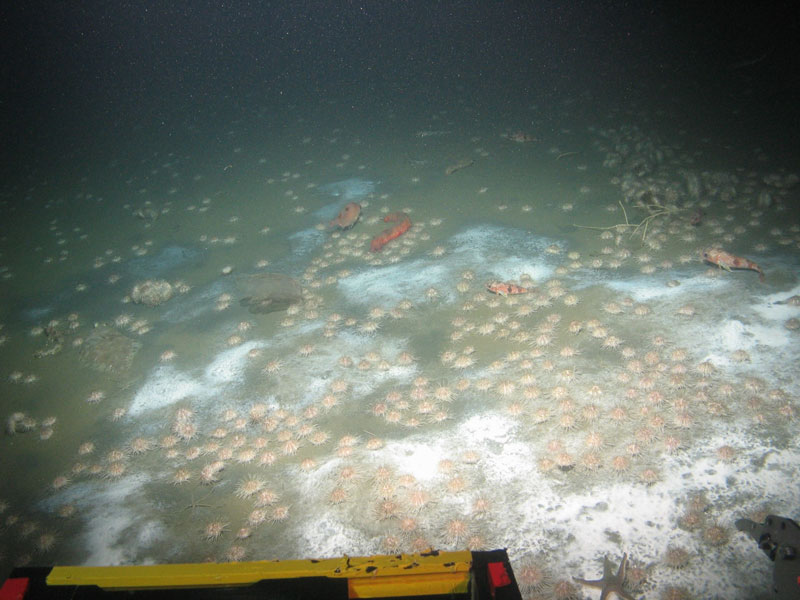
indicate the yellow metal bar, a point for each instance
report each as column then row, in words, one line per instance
column 370, row 576
column 408, row 585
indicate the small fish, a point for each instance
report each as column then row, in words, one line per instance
column 347, row 217
column 462, row 164
column 146, row 214
column 697, row 217
column 791, row 301
column 505, row 289
column 727, row 261
column 522, row 138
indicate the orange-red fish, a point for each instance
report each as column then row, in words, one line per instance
column 506, row 289
column 387, row 235
column 347, row 217
column 727, row 261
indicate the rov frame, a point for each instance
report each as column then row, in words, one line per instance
column 433, row 574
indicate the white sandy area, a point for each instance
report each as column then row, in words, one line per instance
column 489, row 251
column 535, row 515
column 168, row 385
column 730, row 316
column 654, row 287
column 118, row 526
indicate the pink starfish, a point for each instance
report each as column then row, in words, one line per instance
column 610, row 583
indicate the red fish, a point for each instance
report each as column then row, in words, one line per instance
column 387, row 235
column 347, row 217
column 506, row 289
column 727, row 261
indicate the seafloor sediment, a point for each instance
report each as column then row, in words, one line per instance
column 635, row 400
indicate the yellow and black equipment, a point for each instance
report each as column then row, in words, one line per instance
column 433, row 574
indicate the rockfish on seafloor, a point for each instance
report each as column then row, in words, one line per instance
column 505, row 289
column 387, row 235
column 347, row 217
column 727, row 261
